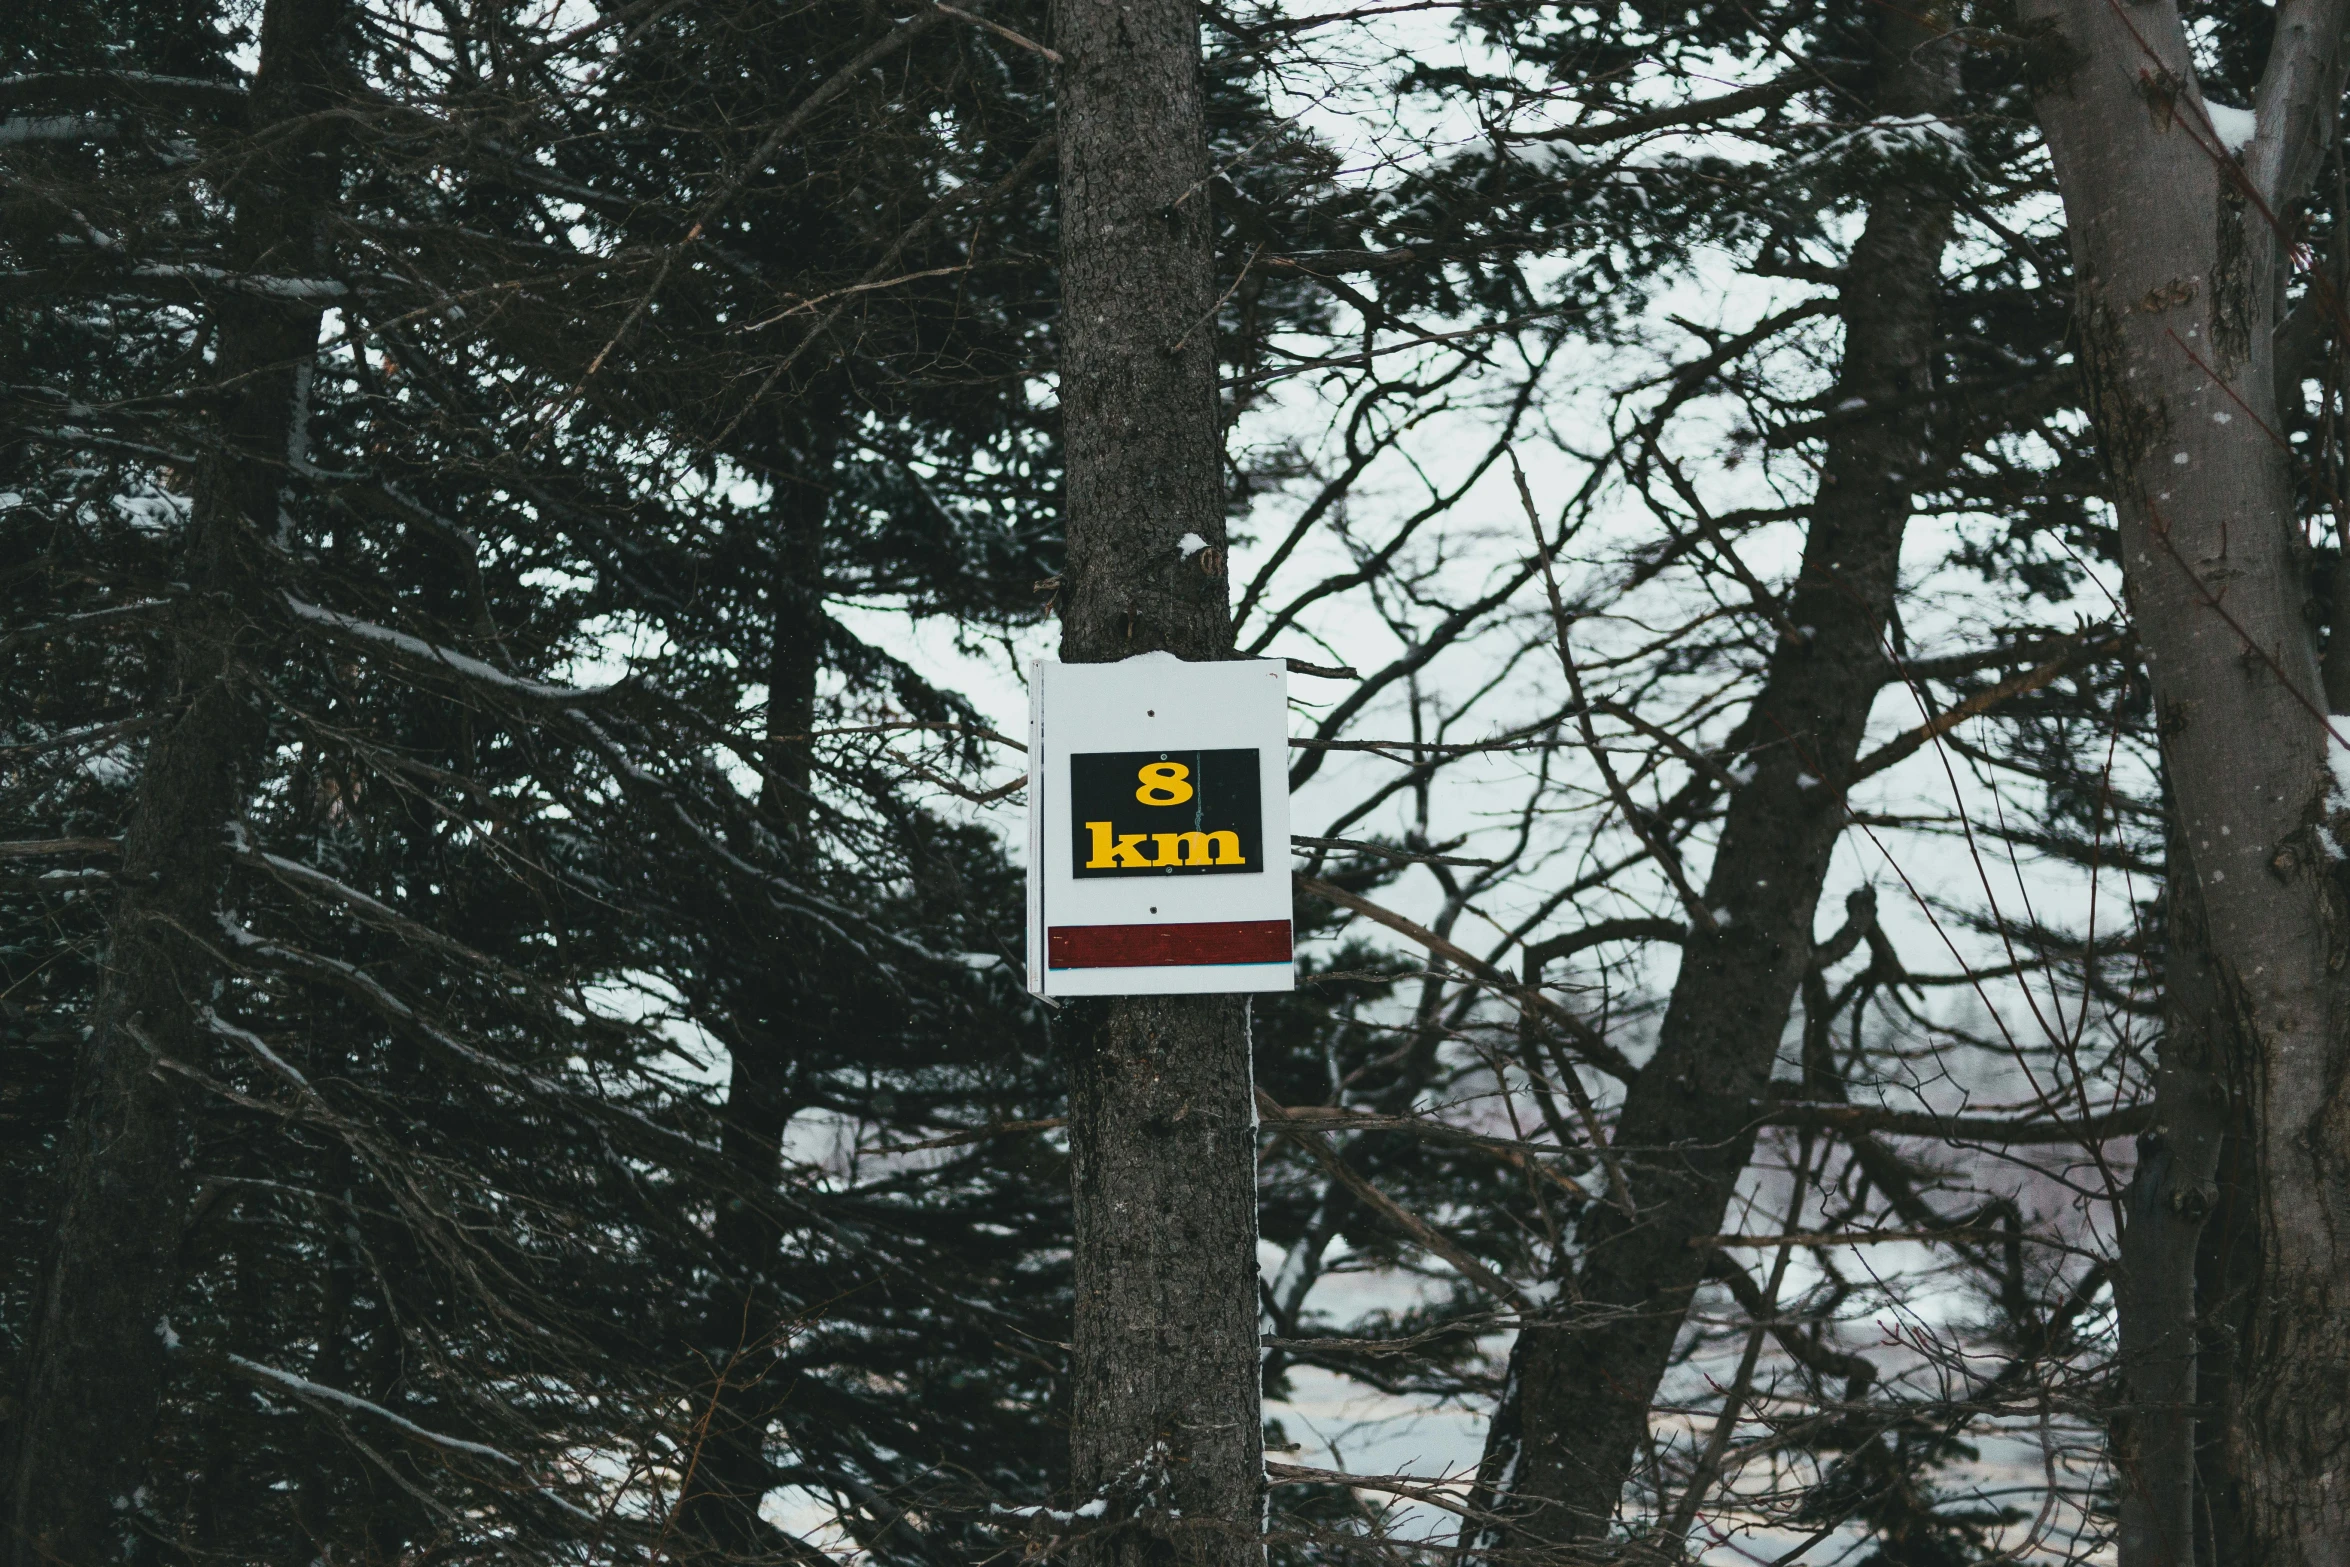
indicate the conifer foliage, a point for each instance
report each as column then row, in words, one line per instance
column 363, row 458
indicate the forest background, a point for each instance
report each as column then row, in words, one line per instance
column 522, row 530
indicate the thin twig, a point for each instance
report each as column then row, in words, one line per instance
column 1658, row 850
column 1001, row 31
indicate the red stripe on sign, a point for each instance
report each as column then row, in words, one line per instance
column 1167, row 946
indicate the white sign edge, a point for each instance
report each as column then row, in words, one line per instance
column 1207, row 979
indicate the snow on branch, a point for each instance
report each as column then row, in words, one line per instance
column 303, row 1387
column 254, row 1043
column 298, row 290
column 460, row 663
column 111, row 87
column 56, row 127
column 310, row 879
column 317, row 1392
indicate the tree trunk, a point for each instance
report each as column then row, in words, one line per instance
column 2227, row 1283
column 96, row 1365
column 1575, row 1405
column 743, row 1338
column 2180, row 278
column 1165, row 1417
column 2170, row 1197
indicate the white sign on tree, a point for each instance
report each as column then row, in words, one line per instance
column 1158, row 827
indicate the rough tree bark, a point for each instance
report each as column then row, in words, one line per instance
column 1575, row 1404
column 96, row 1366
column 720, row 1508
column 1165, row 1405
column 2227, row 1285
column 2179, row 249
column 2170, row 1197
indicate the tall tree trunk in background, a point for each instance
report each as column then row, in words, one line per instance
column 1165, row 1409
column 1575, row 1405
column 2181, row 274
column 96, row 1365
column 2171, row 1196
column 743, row 1339
column 2227, row 1284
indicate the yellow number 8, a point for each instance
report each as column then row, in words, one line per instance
column 1162, row 784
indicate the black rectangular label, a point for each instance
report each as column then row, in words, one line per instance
column 1165, row 813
